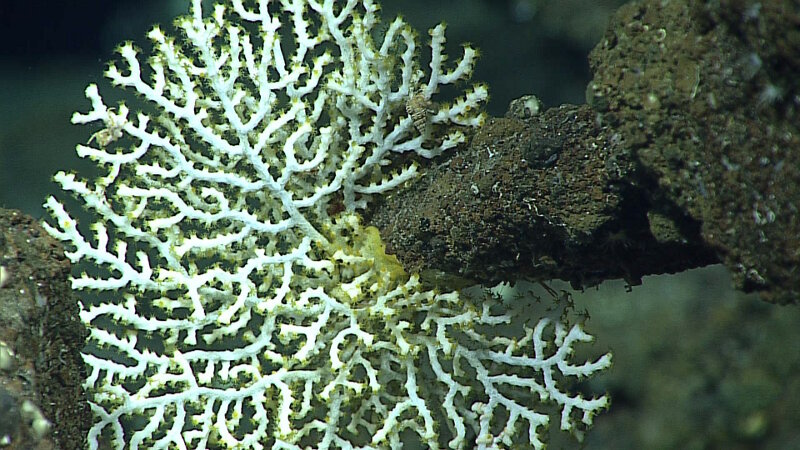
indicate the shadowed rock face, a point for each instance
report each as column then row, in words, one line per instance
column 685, row 155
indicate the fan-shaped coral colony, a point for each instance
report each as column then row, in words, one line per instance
column 234, row 296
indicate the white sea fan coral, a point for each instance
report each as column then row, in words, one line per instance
column 235, row 299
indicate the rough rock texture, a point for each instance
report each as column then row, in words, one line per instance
column 547, row 196
column 707, row 96
column 42, row 405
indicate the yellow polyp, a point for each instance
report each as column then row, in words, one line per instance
column 364, row 268
column 373, row 247
column 350, row 238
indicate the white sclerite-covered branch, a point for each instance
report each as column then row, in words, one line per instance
column 236, row 301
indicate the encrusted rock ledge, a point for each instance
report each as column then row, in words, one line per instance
column 42, row 404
